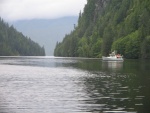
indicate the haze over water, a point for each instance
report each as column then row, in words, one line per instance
column 73, row 85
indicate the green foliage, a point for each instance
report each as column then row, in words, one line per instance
column 129, row 45
column 107, row 41
column 83, row 48
column 15, row 43
column 146, row 47
column 106, row 25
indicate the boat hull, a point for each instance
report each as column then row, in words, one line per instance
column 112, row 59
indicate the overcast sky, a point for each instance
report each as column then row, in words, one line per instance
column 13, row 10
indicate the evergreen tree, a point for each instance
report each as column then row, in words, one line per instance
column 13, row 42
column 122, row 25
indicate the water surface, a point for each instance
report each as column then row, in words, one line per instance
column 73, row 85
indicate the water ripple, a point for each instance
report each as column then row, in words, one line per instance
column 27, row 85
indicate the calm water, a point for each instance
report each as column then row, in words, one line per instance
column 73, row 85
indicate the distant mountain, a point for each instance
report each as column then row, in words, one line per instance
column 46, row 32
column 14, row 43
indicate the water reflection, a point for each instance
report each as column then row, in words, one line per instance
column 111, row 93
column 73, row 85
column 112, row 65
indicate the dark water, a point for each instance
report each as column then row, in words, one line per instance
column 73, row 85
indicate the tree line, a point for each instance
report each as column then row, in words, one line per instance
column 107, row 25
column 15, row 43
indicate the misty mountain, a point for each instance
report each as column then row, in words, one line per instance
column 14, row 43
column 46, row 32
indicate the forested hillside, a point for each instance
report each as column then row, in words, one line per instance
column 13, row 43
column 107, row 25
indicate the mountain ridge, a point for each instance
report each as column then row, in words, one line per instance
column 46, row 31
column 14, row 43
column 107, row 25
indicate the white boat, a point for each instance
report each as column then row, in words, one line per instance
column 113, row 57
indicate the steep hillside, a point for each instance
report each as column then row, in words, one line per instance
column 46, row 31
column 106, row 25
column 13, row 43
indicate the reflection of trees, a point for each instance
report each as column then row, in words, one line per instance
column 84, row 64
column 113, row 91
column 113, row 85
